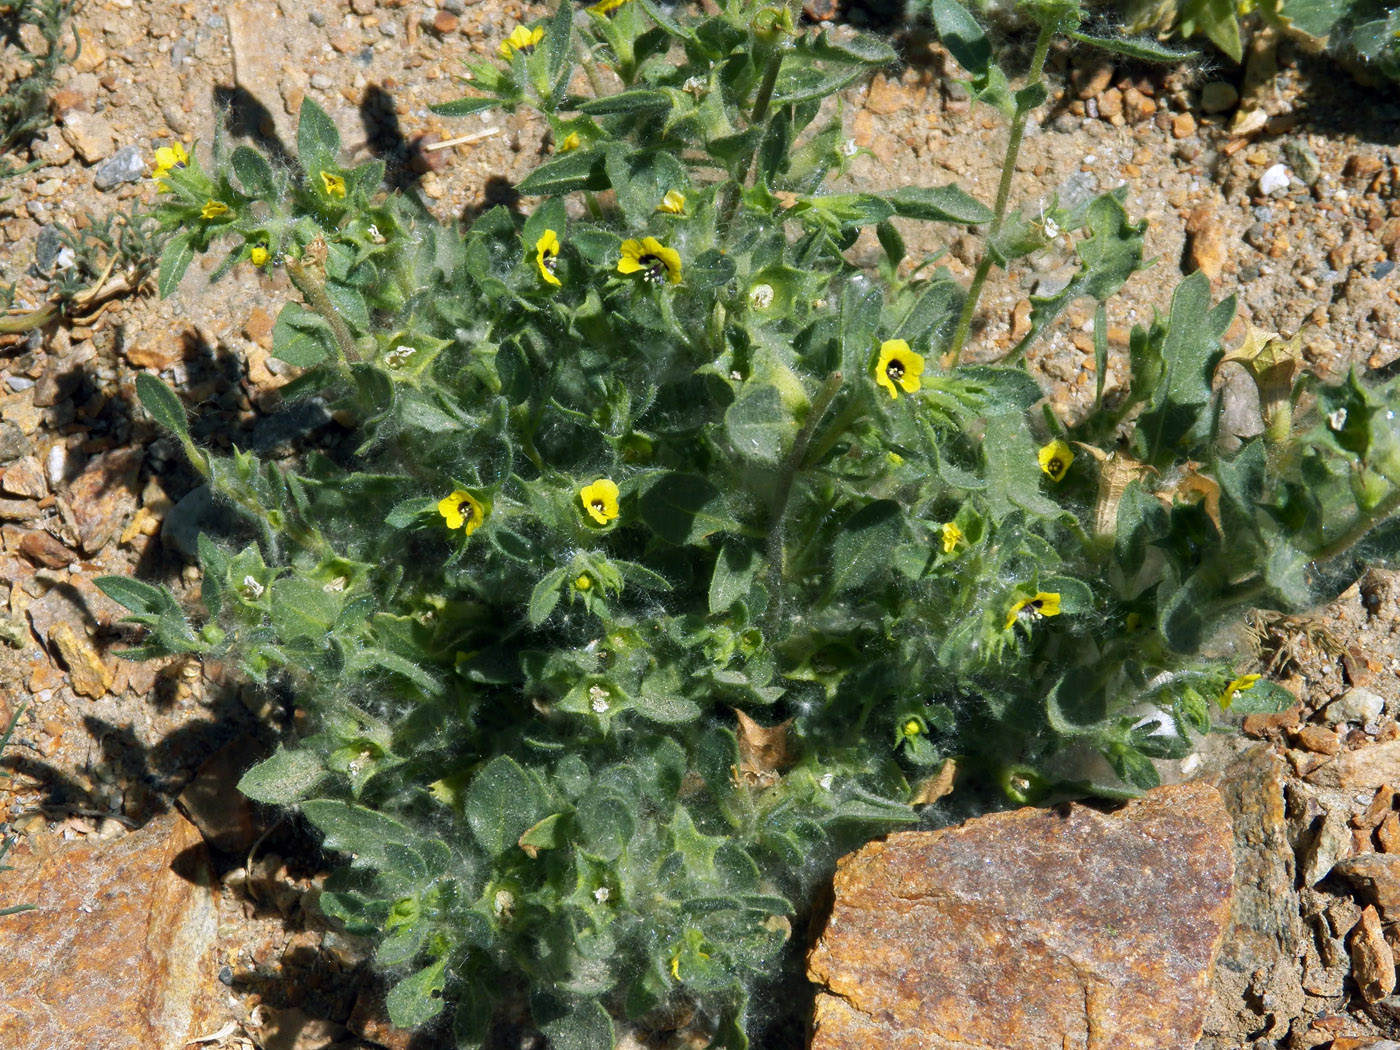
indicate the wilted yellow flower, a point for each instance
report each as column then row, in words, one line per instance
column 520, row 39
column 168, row 158
column 258, row 255
column 673, row 203
column 1237, row 685
column 571, row 141
column 547, row 255
column 898, row 367
column 213, row 209
column 600, row 500
column 1043, row 604
column 652, row 259
column 461, row 508
column 335, row 185
column 952, row 536
column 1055, row 459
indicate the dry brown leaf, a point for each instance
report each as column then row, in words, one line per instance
column 762, row 749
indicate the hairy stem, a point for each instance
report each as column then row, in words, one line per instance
column 315, row 294
column 1008, row 169
column 777, row 515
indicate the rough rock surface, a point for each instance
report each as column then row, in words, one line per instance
column 116, row 951
column 1030, row 929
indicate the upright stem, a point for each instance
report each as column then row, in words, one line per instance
column 777, row 515
column 757, row 116
column 1008, row 169
column 316, row 297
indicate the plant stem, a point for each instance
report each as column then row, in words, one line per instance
column 1008, row 169
column 315, row 294
column 757, row 115
column 777, row 515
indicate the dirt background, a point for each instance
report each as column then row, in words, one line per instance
column 90, row 488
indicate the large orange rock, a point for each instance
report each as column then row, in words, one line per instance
column 118, row 952
column 1066, row 929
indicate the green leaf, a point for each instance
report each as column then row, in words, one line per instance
column 464, row 107
column 580, row 169
column 318, row 139
column 301, row 337
column 683, row 508
column 862, row 547
column 502, row 802
column 865, row 48
column 605, row 825
column 735, row 568
column 1143, row 48
column 410, row 512
column 939, row 204
column 141, row 598
column 254, row 172
column 417, row 999
column 1217, row 19
column 356, row 829
column 545, row 596
column 961, row 35
column 637, row 101
column 582, row 1026
column 1262, row 698
column 1132, row 765
column 758, row 424
column 174, row 261
column 286, row 778
column 163, row 404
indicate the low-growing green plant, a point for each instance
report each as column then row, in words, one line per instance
column 24, row 98
column 677, row 553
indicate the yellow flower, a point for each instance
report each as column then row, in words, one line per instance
column 606, row 7
column 335, row 185
column 571, row 141
column 583, row 583
column 461, row 508
column 898, row 365
column 952, row 536
column 1238, row 685
column 547, row 255
column 168, row 158
column 600, row 500
column 1055, row 459
column 1042, row 604
column 259, row 255
column 912, row 727
column 673, row 203
column 213, row 209
column 651, row 258
column 522, row 40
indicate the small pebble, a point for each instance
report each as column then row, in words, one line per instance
column 1304, row 161
column 317, row 19
column 126, row 165
column 1218, row 97
column 322, row 81
column 18, row 383
column 46, row 248
column 1263, row 213
column 1383, row 269
column 1274, row 179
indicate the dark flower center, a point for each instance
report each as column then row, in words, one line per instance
column 598, row 505
column 654, row 265
column 895, row 370
column 1056, row 466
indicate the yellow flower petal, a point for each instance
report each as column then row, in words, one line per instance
column 546, row 255
column 461, row 508
column 673, row 203
column 952, row 536
column 335, row 185
column 571, row 141
column 606, row 7
column 898, row 368
column 652, row 259
column 1042, row 604
column 169, row 158
column 259, row 255
column 213, row 209
column 600, row 500
column 1055, row 459
column 520, row 39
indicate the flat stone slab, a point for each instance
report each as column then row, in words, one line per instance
column 119, row 947
column 1065, row 929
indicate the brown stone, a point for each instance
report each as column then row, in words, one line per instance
column 87, row 671
column 40, row 547
column 1259, row 726
column 445, row 22
column 90, row 135
column 1092, row 77
column 258, row 327
column 1206, row 244
column 1137, row 107
column 932, row 935
column 155, row 352
column 25, row 477
column 1318, row 739
column 225, row 818
column 369, row 1020
column 295, row 1029
column 1377, row 877
column 1183, row 126
column 119, row 947
column 1110, row 104
column 1376, row 810
column 1372, row 961
column 1388, row 833
column 103, row 496
column 1021, row 319
column 1363, row 770
column 885, row 96
column 1360, row 166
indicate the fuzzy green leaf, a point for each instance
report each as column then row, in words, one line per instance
column 735, row 569
column 501, row 804
column 417, row 999
column 318, row 139
column 862, row 547
column 287, row 777
column 684, row 508
column 174, row 261
column 163, row 404
column 939, row 204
